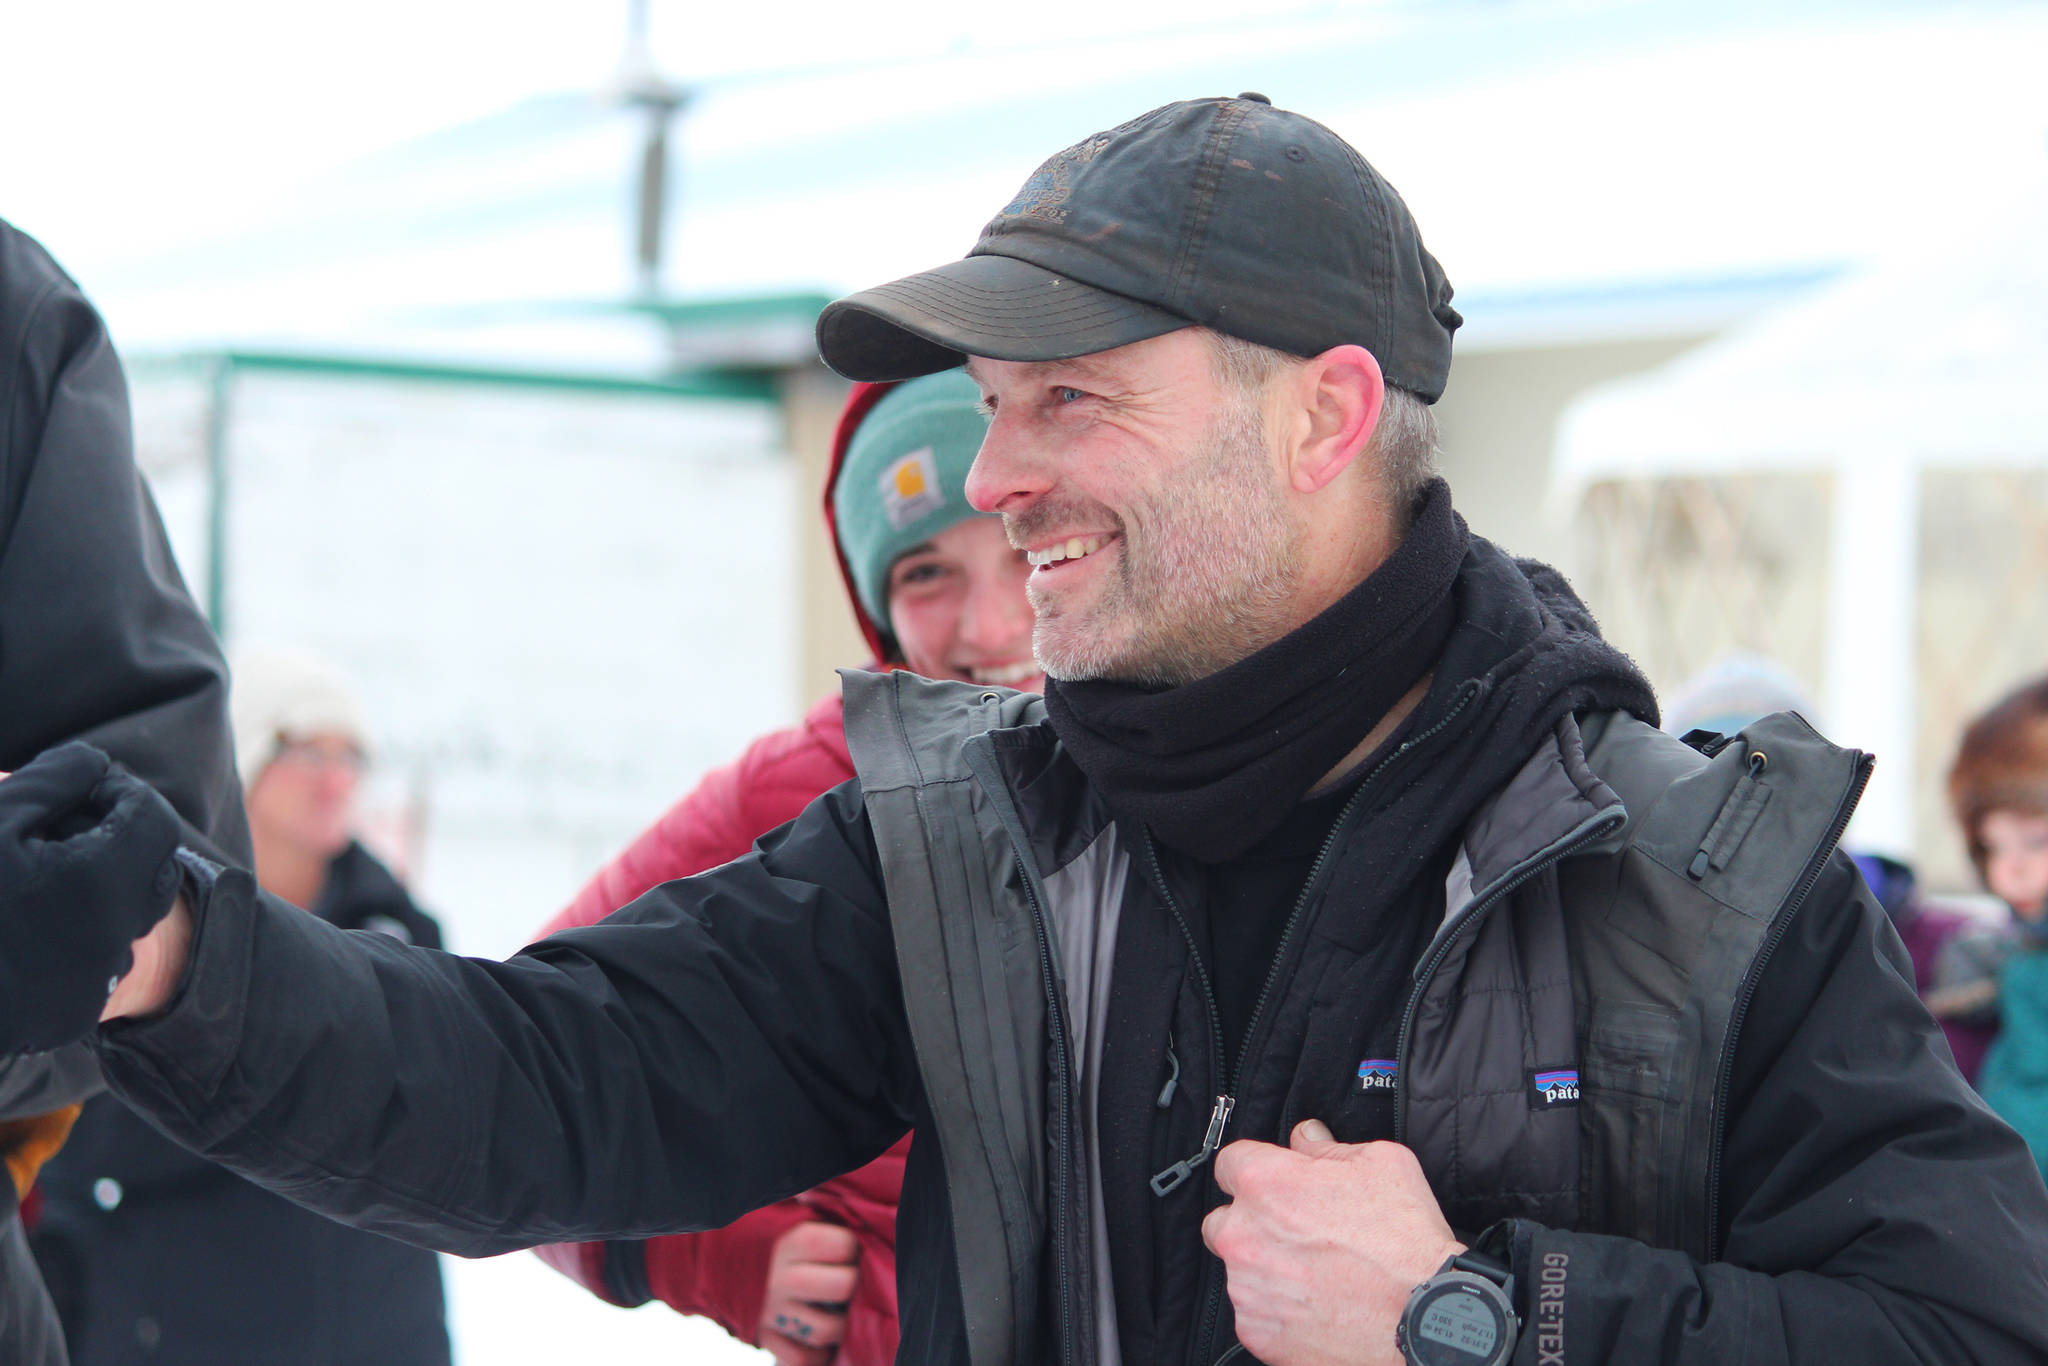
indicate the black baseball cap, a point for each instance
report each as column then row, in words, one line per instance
column 1228, row 213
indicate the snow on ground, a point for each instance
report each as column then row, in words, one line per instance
column 512, row 1311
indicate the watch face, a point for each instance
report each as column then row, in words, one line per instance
column 1454, row 1324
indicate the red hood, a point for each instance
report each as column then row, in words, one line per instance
column 863, row 398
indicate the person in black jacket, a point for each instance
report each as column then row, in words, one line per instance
column 153, row 1253
column 1338, row 923
column 98, row 640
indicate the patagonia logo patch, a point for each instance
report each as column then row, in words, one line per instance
column 1378, row 1074
column 910, row 488
column 1553, row 1086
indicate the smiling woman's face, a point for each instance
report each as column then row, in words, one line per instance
column 958, row 609
column 304, row 797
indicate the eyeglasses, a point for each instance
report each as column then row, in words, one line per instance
column 321, row 755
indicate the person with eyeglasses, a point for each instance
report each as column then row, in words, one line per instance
column 155, row 1254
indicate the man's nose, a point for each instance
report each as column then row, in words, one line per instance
column 1007, row 475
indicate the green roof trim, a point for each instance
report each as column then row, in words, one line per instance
column 746, row 386
column 683, row 314
column 743, row 310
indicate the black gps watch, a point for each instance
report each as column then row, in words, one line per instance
column 1462, row 1316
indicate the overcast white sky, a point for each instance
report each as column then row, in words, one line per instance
column 1661, row 148
column 180, row 101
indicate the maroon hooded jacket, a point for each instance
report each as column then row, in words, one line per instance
column 722, row 1274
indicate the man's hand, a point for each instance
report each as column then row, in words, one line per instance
column 811, row 1275
column 1323, row 1241
column 87, row 867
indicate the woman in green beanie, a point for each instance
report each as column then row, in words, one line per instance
column 936, row 588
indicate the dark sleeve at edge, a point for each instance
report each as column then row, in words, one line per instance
column 1875, row 1211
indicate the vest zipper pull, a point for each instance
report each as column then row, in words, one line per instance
column 1172, row 1081
column 1170, row 1179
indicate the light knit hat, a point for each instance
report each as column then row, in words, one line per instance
column 904, row 478
column 279, row 696
column 1733, row 691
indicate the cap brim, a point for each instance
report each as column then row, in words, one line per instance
column 994, row 306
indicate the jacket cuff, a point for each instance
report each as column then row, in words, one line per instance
column 198, row 1034
column 591, row 1265
column 723, row 1274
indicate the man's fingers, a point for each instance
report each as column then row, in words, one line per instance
column 818, row 1282
column 51, row 787
column 787, row 1351
column 1237, row 1158
column 820, row 1242
column 1311, row 1135
column 1214, row 1224
column 807, row 1324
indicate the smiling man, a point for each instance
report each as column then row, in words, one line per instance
column 1336, row 966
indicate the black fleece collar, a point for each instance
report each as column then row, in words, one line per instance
column 1214, row 766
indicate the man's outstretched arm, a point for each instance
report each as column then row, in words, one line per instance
column 722, row 1043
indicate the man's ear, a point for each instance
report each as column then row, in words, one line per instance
column 1339, row 398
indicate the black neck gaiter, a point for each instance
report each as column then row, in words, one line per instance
column 1215, row 765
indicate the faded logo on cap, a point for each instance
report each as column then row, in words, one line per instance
column 910, row 488
column 1044, row 196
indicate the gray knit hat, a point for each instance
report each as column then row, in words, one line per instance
column 904, row 479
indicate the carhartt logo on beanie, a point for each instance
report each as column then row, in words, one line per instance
column 904, row 479
column 910, row 489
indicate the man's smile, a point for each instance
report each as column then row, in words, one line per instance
column 1005, row 675
column 1062, row 552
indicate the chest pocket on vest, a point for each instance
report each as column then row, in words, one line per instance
column 1627, row 1066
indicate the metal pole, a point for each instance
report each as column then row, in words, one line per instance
column 1872, row 645
column 220, row 395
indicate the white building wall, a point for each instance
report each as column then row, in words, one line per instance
column 560, row 607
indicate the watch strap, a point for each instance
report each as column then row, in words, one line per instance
column 1479, row 1264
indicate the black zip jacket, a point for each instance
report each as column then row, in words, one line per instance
column 739, row 1036
column 98, row 641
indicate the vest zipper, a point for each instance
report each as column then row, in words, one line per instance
column 1168, row 1180
column 1440, row 947
column 1779, row 926
column 1226, row 1102
column 1212, row 1138
column 1063, row 1141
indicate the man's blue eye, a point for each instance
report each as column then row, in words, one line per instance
column 1068, row 394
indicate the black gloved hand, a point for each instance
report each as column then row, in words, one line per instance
column 87, row 865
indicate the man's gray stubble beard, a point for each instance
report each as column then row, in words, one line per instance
column 1217, row 566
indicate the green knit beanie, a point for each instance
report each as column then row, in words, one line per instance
column 904, row 479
